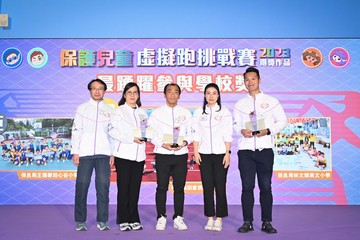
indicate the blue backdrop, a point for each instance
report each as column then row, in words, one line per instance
column 188, row 19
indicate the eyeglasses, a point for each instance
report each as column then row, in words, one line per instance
column 132, row 93
column 97, row 89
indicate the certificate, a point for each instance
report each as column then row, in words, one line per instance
column 255, row 125
column 149, row 133
column 169, row 138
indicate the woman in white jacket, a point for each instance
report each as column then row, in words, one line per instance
column 212, row 126
column 129, row 153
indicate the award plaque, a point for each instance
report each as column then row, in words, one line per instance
column 143, row 126
column 143, row 131
column 176, row 132
column 255, row 124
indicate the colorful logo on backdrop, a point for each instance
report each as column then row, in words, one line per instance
column 37, row 57
column 339, row 57
column 176, row 57
column 11, row 58
column 312, row 57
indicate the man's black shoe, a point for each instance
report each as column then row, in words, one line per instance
column 268, row 228
column 246, row 227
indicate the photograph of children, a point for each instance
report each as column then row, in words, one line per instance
column 305, row 144
column 36, row 144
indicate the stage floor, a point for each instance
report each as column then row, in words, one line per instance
column 55, row 222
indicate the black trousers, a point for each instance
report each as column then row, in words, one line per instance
column 129, row 176
column 259, row 163
column 213, row 177
column 176, row 166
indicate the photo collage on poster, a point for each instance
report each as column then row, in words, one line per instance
column 303, row 149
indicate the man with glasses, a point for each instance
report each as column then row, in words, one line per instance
column 91, row 149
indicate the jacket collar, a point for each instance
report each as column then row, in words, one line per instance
column 215, row 108
column 92, row 101
column 130, row 108
column 259, row 95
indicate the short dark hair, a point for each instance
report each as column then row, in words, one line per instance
column 99, row 81
column 172, row 84
column 126, row 88
column 252, row 69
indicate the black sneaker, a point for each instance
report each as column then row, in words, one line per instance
column 246, row 227
column 268, row 228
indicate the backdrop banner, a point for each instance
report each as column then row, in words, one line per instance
column 316, row 81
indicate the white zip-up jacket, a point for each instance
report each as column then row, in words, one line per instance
column 267, row 108
column 90, row 129
column 124, row 121
column 213, row 129
column 163, row 120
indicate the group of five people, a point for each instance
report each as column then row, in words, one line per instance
column 102, row 137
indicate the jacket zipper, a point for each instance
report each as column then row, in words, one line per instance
column 211, row 144
column 96, row 125
column 137, row 125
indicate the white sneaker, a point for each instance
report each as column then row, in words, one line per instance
column 103, row 226
column 136, row 226
column 161, row 224
column 209, row 225
column 124, row 227
column 81, row 226
column 217, row 225
column 179, row 223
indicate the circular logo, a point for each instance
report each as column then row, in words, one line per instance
column 218, row 118
column 37, row 57
column 339, row 57
column 264, row 105
column 11, row 58
column 312, row 57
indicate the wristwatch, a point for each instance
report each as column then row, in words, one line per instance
column 229, row 151
column 268, row 131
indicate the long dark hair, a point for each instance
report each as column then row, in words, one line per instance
column 218, row 100
column 126, row 88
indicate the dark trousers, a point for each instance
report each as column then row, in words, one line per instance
column 259, row 163
column 176, row 166
column 129, row 175
column 102, row 183
column 213, row 177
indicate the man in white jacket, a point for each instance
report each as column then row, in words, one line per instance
column 172, row 126
column 91, row 149
column 258, row 118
